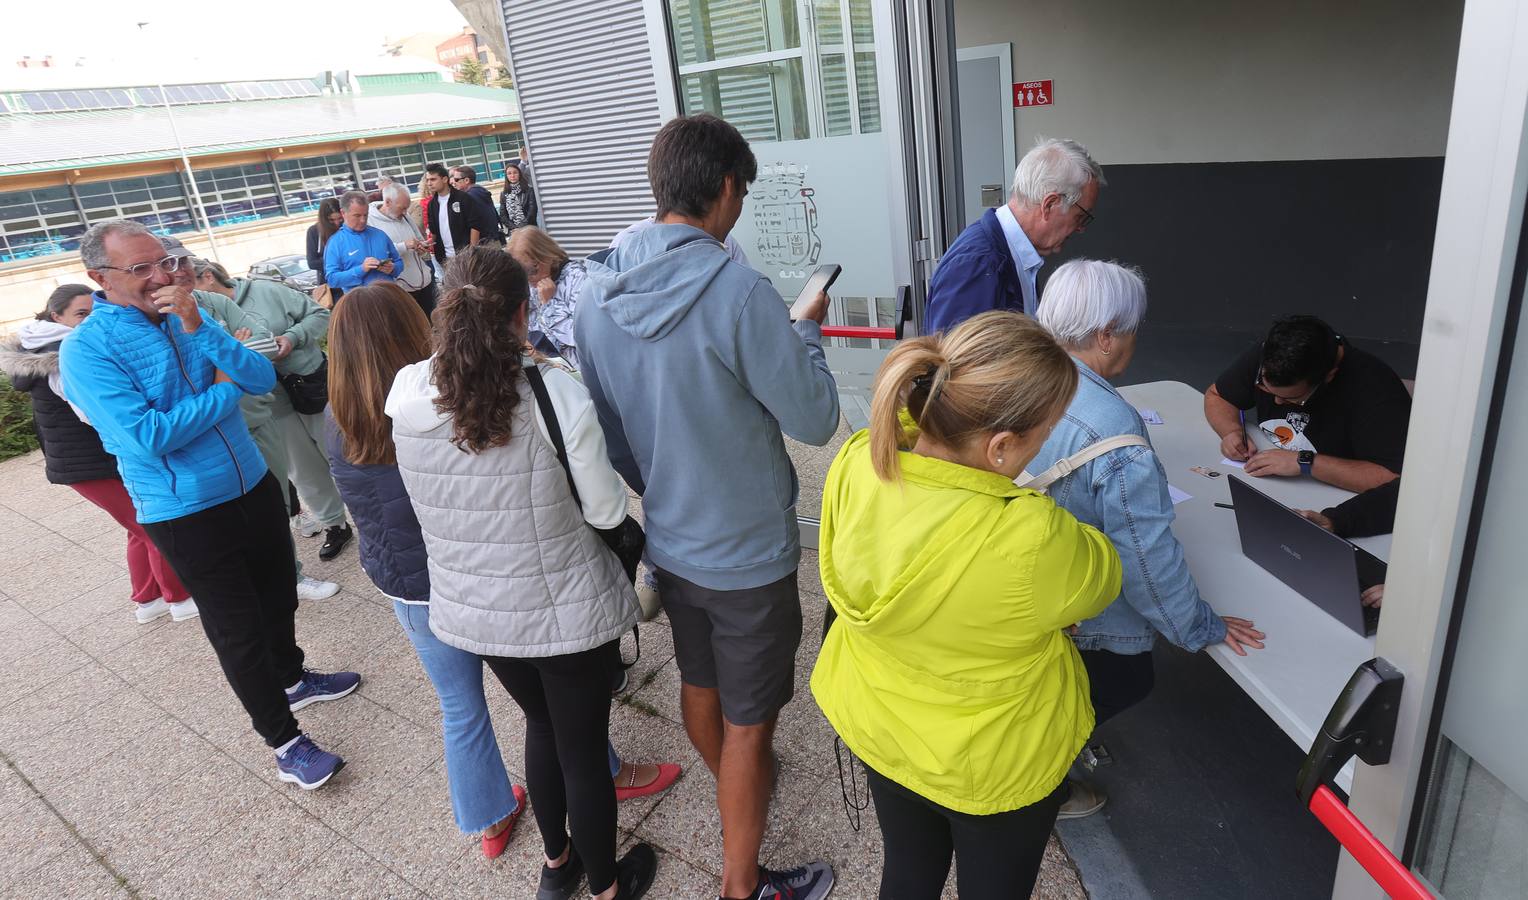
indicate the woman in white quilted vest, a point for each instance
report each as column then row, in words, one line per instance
column 517, row 573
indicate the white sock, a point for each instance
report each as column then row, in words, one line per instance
column 281, row 751
column 293, row 688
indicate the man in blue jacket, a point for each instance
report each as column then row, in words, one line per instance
column 696, row 368
column 995, row 261
column 358, row 254
column 161, row 384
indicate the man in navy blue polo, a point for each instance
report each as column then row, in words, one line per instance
column 994, row 262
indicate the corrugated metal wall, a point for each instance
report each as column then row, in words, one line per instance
column 589, row 107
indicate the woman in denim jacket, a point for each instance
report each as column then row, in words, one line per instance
column 1093, row 309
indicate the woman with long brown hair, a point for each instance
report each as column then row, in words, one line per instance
column 517, row 573
column 329, row 221
column 948, row 670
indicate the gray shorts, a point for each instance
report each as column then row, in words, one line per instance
column 742, row 643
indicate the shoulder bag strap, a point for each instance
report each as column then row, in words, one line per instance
column 553, row 430
column 1082, row 457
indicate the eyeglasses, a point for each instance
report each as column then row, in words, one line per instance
column 1087, row 216
column 1291, row 401
column 142, row 271
column 457, row 178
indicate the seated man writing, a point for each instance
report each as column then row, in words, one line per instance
column 1331, row 410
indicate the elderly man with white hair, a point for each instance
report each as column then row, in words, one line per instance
column 391, row 215
column 1094, row 310
column 994, row 262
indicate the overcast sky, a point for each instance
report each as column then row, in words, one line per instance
column 287, row 36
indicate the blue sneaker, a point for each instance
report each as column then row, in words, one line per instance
column 812, row 881
column 316, row 686
column 306, row 765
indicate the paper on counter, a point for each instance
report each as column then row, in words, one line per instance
column 1150, row 416
column 1232, row 463
column 1178, row 496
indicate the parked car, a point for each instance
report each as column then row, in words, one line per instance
column 291, row 271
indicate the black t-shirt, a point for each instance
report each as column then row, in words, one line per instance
column 1360, row 414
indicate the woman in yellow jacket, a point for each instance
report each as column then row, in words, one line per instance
column 948, row 670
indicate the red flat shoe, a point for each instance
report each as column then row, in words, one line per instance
column 668, row 773
column 493, row 846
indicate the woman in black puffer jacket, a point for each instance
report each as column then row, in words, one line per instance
column 73, row 451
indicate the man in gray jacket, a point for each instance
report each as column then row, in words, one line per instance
column 696, row 368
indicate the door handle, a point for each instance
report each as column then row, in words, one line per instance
column 1361, row 723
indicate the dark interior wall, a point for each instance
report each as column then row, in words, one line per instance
column 1227, row 246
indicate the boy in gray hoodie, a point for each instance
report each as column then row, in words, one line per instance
column 696, row 368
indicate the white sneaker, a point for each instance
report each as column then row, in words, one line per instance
column 185, row 609
column 148, row 612
column 313, row 589
column 306, row 525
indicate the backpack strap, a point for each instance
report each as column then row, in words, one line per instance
column 1067, row 466
column 553, row 429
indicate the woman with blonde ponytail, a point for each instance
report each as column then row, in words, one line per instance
column 515, row 575
column 948, row 670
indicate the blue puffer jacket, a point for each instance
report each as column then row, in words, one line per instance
column 179, row 439
column 392, row 546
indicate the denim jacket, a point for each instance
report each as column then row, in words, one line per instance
column 1124, row 494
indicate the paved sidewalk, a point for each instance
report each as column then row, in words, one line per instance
column 127, row 768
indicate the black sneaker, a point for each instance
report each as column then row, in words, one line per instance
column 634, row 873
column 812, row 881
column 335, row 539
column 562, row 882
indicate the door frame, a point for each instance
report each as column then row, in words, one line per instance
column 1003, row 53
column 1480, row 221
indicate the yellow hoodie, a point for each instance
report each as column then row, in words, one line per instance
column 949, row 670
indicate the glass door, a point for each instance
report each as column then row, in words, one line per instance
column 1452, row 801
column 811, row 84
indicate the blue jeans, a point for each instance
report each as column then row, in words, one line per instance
column 481, row 794
column 479, row 784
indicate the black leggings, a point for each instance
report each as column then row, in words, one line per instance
column 1117, row 681
column 566, row 700
column 998, row 856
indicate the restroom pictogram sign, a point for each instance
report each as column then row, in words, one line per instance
column 1033, row 93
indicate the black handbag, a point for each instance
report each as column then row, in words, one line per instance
column 310, row 392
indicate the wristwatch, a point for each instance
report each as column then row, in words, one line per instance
column 1307, row 459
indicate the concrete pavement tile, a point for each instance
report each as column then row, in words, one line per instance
column 514, row 874
column 804, row 738
column 686, row 821
column 32, row 836
column 383, row 754
column 110, row 599
column 49, row 660
column 657, row 651
column 109, row 544
column 113, row 786
column 13, row 790
column 642, row 738
column 55, row 578
column 822, row 832
column 340, row 632
column 347, row 871
column 415, row 831
column 676, row 878
column 660, row 696
column 73, row 873
column 21, row 633
column 102, row 636
column 277, row 840
column 64, row 685
column 78, row 521
column 395, row 679
column 50, row 758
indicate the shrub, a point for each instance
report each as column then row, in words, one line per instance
column 17, row 433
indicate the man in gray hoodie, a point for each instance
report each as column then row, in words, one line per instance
column 696, row 368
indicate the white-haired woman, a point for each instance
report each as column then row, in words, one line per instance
column 1094, row 310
